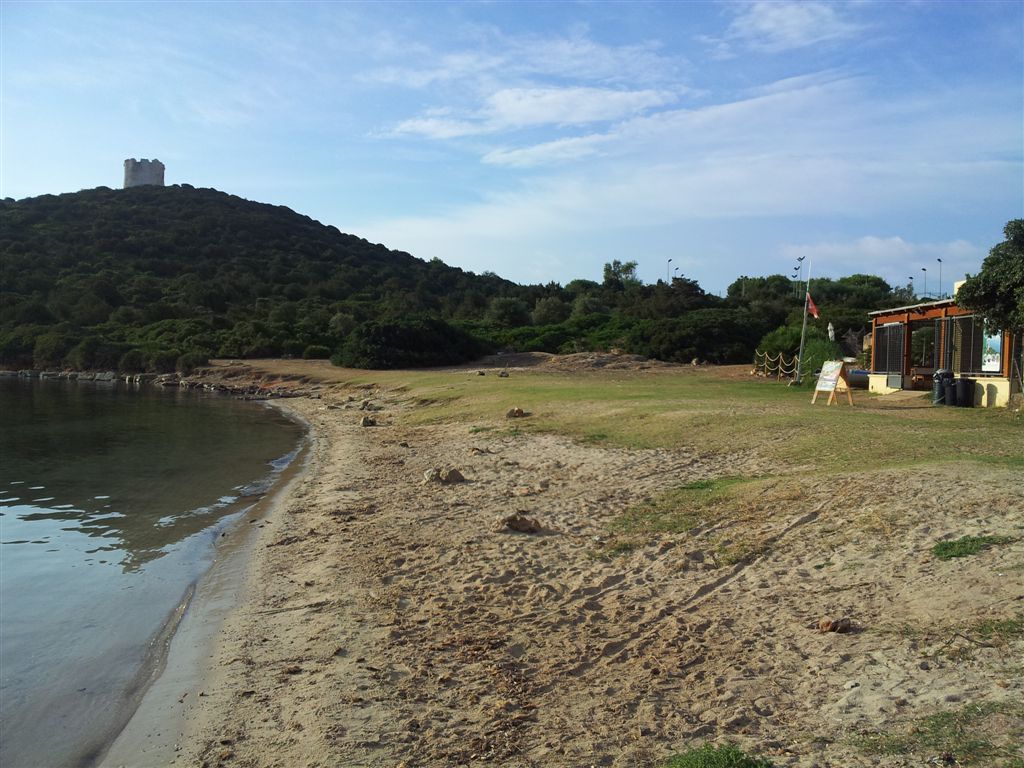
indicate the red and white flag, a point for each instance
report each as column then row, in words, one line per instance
column 811, row 306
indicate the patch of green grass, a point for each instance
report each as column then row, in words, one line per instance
column 708, row 413
column 709, row 756
column 967, row 545
column 478, row 430
column 742, row 551
column 1002, row 630
column 718, row 415
column 677, row 510
column 978, row 734
column 699, row 485
column 1013, row 460
column 618, row 548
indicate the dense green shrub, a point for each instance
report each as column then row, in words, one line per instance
column 507, row 312
column 816, row 352
column 50, row 349
column 407, row 344
column 131, row 361
column 709, row 756
column 550, row 310
column 189, row 361
column 161, row 360
column 316, row 352
column 783, row 340
column 17, row 346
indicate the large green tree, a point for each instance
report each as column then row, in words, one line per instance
column 997, row 292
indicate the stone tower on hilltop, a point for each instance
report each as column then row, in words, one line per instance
column 138, row 173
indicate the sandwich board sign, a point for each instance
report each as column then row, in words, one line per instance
column 833, row 379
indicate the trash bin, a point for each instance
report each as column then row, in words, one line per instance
column 949, row 388
column 939, row 379
column 965, row 392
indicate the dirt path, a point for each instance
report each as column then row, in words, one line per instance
column 396, row 621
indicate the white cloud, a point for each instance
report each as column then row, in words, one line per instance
column 520, row 107
column 774, row 26
column 795, row 113
column 515, row 108
column 817, row 150
column 489, row 55
column 550, row 152
column 579, row 57
column 443, row 69
column 439, row 127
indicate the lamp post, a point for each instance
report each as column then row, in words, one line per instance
column 940, row 277
column 668, row 264
column 911, row 279
column 925, row 270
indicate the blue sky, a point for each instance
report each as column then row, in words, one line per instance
column 541, row 140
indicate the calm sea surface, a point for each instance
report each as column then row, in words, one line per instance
column 111, row 499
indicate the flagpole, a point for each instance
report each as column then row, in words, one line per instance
column 803, row 331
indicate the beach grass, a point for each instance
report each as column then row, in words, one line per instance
column 708, row 413
column 976, row 734
column 968, row 545
column 684, row 508
column 710, row 756
column 679, row 509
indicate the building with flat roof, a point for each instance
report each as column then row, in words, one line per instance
column 910, row 343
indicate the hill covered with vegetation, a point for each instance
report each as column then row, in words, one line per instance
column 158, row 278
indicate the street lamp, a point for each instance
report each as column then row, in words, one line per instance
column 668, row 264
column 940, row 277
column 911, row 279
column 925, row 270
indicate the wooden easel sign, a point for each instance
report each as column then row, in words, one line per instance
column 833, row 379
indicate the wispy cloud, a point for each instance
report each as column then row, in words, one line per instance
column 892, row 256
column 815, row 147
column 550, row 152
column 775, row 26
column 515, row 108
column 484, row 55
column 795, row 113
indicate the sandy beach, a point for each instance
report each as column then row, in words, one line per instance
column 390, row 618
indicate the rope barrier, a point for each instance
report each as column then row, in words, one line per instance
column 774, row 365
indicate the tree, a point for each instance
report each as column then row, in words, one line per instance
column 505, row 311
column 618, row 275
column 997, row 292
column 550, row 310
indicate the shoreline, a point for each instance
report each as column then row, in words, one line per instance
column 151, row 734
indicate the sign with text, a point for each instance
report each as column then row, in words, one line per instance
column 832, row 379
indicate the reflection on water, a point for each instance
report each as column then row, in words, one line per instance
column 110, row 501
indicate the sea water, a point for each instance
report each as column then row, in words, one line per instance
column 111, row 500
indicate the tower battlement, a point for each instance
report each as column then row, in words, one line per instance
column 138, row 173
